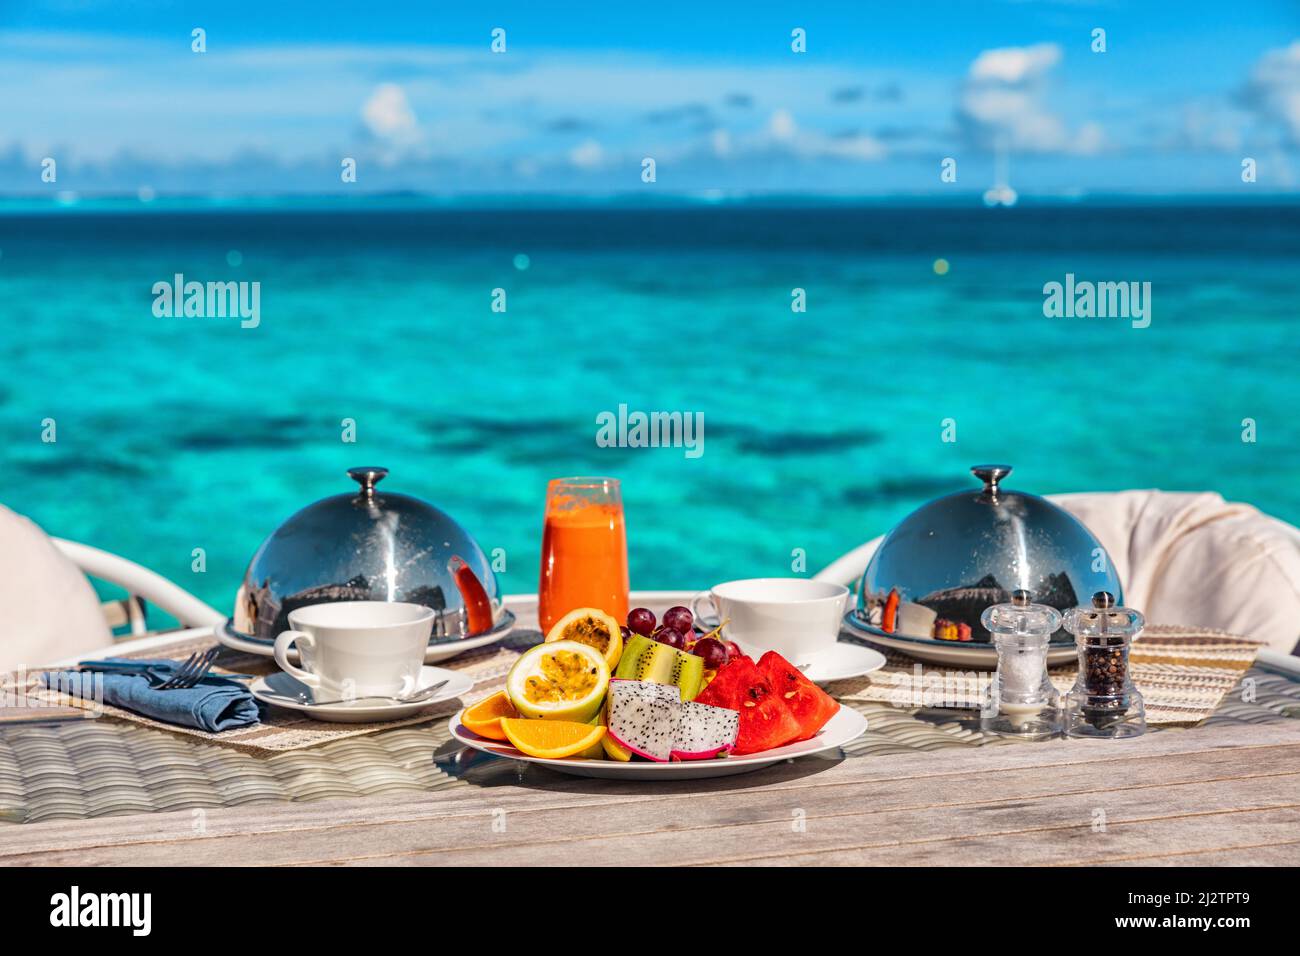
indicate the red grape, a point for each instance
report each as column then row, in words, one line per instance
column 733, row 649
column 641, row 620
column 713, row 652
column 625, row 632
column 671, row 637
column 679, row 619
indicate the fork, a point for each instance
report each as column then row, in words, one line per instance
column 192, row 670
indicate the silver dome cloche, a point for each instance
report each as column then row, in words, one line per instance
column 934, row 574
column 368, row 545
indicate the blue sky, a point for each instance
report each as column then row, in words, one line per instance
column 585, row 91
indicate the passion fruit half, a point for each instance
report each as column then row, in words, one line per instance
column 563, row 680
column 593, row 627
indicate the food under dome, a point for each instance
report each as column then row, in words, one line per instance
column 936, row 572
column 368, row 546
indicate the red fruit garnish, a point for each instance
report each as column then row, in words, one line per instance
column 811, row 706
column 478, row 606
column 890, row 612
column 765, row 720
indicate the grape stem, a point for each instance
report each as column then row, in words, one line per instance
column 717, row 630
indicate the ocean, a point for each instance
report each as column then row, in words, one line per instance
column 821, row 428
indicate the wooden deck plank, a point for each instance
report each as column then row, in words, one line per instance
column 1233, row 835
column 892, row 844
column 710, row 826
column 1258, row 854
column 1249, row 745
column 886, row 840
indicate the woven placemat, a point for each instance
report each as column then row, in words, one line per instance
column 1182, row 673
column 281, row 730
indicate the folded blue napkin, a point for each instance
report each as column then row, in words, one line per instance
column 214, row 704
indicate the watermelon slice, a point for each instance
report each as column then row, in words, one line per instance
column 811, row 706
column 765, row 720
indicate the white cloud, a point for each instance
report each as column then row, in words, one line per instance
column 1090, row 139
column 1273, row 91
column 1016, row 64
column 783, row 134
column 1004, row 100
column 587, row 155
column 859, row 147
column 781, row 125
column 1206, row 126
column 388, row 114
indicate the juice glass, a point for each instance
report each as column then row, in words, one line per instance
column 584, row 550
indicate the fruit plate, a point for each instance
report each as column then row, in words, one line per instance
column 845, row 726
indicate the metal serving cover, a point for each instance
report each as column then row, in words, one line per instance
column 936, row 572
column 368, row 546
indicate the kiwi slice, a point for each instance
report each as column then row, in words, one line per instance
column 644, row 659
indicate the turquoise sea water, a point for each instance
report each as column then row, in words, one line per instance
column 822, row 428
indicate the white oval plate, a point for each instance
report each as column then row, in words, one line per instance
column 841, row 662
column 434, row 653
column 846, row 725
column 273, row 688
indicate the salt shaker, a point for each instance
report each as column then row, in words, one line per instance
column 1103, row 701
column 1021, row 701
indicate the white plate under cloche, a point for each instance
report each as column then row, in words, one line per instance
column 274, row 688
column 847, row 725
column 432, row 655
column 982, row 656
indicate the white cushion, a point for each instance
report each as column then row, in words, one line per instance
column 48, row 609
column 1193, row 558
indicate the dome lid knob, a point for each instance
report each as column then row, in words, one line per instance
column 367, row 478
column 991, row 475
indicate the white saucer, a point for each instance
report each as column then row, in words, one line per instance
column 228, row 636
column 840, row 662
column 274, row 688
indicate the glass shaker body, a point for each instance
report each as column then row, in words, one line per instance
column 1020, row 700
column 1103, row 701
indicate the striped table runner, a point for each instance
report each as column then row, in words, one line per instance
column 1183, row 674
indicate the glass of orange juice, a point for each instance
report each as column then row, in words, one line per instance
column 584, row 550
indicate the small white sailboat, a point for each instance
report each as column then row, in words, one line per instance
column 1001, row 193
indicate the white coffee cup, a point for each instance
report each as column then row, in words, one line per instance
column 358, row 648
column 796, row 617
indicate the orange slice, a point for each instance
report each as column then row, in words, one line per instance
column 551, row 739
column 484, row 718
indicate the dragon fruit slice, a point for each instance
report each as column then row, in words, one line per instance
column 704, row 731
column 643, row 716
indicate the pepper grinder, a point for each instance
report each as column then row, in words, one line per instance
column 1103, row 701
column 1021, row 701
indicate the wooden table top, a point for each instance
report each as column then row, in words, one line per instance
column 1178, row 797
column 1226, row 793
